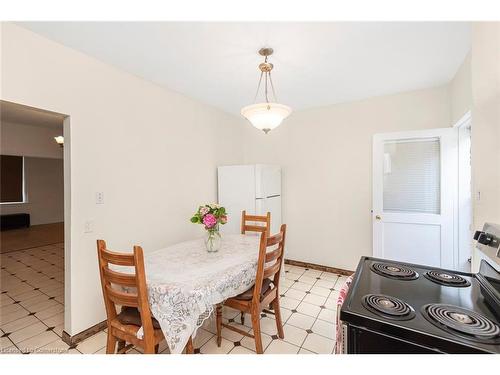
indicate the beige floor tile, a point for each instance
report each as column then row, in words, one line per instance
column 59, row 329
column 325, row 283
column 10, row 309
column 305, row 351
column 328, row 315
column 295, row 270
column 36, row 342
column 211, row 347
column 308, row 309
column 55, row 347
column 55, row 320
column 241, row 350
column 281, row 347
column 318, row 344
column 19, row 323
column 27, row 332
column 43, row 305
column 268, row 326
column 5, row 300
column 294, row 335
column 23, row 288
column 301, row 286
column 231, row 335
column 329, row 276
column 51, row 311
column 289, row 303
column 249, row 342
column 331, row 303
column 93, row 344
column 315, row 299
column 324, row 328
column 301, row 321
column 286, row 283
column 202, row 336
column 305, row 278
column 13, row 316
column 28, row 295
column 320, row 291
column 5, row 342
column 295, row 294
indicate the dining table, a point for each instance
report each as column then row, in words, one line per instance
column 185, row 282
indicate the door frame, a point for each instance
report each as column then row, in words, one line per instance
column 465, row 205
column 448, row 199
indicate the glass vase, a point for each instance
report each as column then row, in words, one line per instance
column 213, row 240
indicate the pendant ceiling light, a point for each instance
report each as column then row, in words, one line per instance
column 269, row 114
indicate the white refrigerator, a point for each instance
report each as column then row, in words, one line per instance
column 254, row 188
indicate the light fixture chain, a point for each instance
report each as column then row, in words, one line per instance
column 272, row 88
column 258, row 87
column 267, row 100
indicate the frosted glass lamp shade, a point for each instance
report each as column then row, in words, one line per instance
column 266, row 116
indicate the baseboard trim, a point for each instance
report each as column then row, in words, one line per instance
column 318, row 267
column 79, row 337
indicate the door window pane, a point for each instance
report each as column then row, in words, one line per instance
column 412, row 176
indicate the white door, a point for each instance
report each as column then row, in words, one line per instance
column 414, row 197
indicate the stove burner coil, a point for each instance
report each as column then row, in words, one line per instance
column 447, row 279
column 462, row 322
column 394, row 271
column 388, row 307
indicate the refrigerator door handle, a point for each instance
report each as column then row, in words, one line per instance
column 272, row 196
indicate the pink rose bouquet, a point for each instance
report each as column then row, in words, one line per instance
column 210, row 215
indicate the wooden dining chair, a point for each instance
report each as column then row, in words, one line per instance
column 264, row 293
column 129, row 291
column 246, row 219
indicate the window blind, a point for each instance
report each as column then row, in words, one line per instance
column 412, row 171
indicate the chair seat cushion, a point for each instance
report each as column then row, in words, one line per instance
column 130, row 315
column 247, row 295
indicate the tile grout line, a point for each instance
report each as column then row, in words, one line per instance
column 30, row 312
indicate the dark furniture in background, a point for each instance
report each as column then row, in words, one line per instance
column 14, row 221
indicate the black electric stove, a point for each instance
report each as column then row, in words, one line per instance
column 395, row 307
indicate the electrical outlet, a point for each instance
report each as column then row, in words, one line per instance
column 88, row 227
column 99, row 198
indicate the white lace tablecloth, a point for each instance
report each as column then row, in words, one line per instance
column 185, row 282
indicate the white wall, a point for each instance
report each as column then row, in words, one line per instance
column 151, row 151
column 45, row 191
column 326, row 155
column 29, row 140
column 485, row 68
column 461, row 91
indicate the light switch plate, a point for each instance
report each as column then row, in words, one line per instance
column 89, row 226
column 99, row 198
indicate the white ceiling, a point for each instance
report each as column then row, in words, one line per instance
column 316, row 64
column 21, row 114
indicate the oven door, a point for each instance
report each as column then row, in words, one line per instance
column 364, row 341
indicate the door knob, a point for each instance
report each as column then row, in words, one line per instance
column 378, row 217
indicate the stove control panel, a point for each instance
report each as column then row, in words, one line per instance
column 486, row 239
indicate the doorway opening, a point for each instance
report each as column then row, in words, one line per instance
column 33, row 210
column 464, row 195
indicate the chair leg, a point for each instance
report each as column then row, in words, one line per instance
column 242, row 318
column 157, row 347
column 256, row 332
column 111, row 344
column 121, row 345
column 189, row 346
column 277, row 316
column 218, row 315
